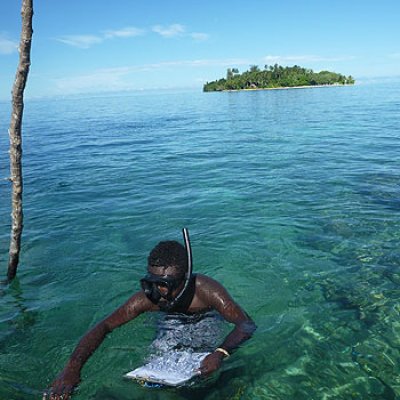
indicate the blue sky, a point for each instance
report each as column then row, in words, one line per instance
column 85, row 46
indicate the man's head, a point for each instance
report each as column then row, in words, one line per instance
column 168, row 254
column 167, row 266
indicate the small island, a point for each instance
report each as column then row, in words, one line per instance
column 276, row 77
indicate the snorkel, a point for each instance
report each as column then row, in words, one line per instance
column 186, row 239
column 151, row 282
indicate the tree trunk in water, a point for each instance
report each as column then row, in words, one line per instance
column 16, row 137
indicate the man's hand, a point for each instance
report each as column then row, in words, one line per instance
column 211, row 363
column 62, row 387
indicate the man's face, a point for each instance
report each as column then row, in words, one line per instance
column 168, row 274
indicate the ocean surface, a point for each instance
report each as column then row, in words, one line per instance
column 292, row 199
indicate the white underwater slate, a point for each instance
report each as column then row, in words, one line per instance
column 171, row 369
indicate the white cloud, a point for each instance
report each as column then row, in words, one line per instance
column 169, row 31
column 86, row 41
column 100, row 80
column 179, row 30
column 120, row 78
column 7, row 46
column 270, row 59
column 193, row 63
column 129, row 31
column 200, row 36
column 80, row 41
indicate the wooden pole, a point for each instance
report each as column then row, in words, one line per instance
column 16, row 137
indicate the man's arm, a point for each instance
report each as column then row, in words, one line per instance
column 215, row 296
column 64, row 384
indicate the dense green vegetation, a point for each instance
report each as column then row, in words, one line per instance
column 275, row 76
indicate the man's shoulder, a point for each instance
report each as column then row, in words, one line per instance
column 202, row 279
column 211, row 294
column 206, row 284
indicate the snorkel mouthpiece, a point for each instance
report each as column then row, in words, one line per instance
column 157, row 287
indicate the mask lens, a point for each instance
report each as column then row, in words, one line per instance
column 145, row 284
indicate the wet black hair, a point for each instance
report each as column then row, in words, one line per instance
column 168, row 254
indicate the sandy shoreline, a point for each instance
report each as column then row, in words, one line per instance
column 282, row 88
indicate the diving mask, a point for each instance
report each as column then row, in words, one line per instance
column 158, row 286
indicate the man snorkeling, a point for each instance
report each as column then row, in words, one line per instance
column 170, row 287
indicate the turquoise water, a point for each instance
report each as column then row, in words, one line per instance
column 292, row 199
